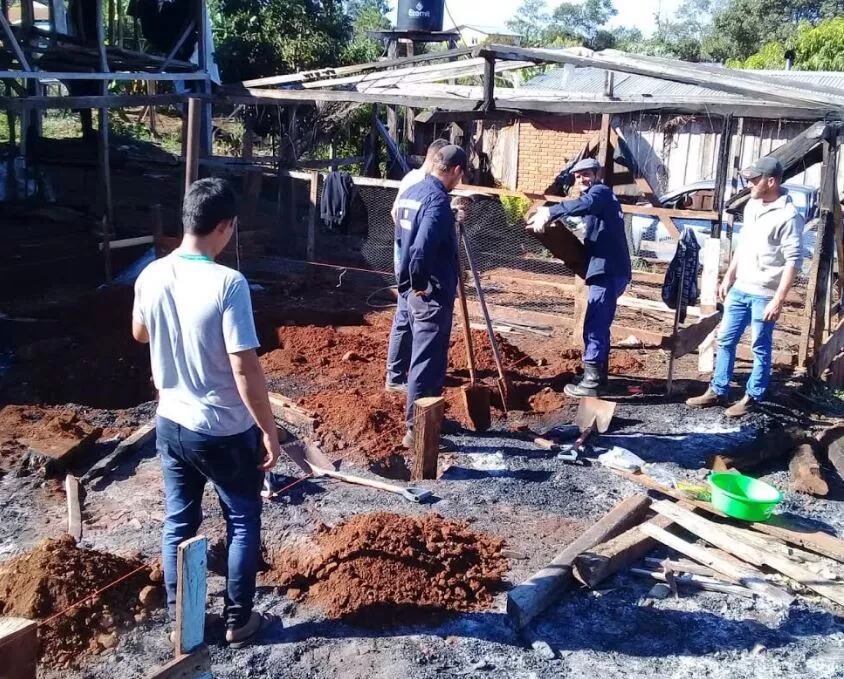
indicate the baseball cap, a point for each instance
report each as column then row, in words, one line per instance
column 452, row 156
column 767, row 166
column 586, row 165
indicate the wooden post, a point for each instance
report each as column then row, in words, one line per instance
column 708, row 300
column 74, row 511
column 489, row 84
column 427, row 428
column 120, row 23
column 104, row 144
column 313, row 210
column 191, row 590
column 605, row 152
column 192, row 143
column 19, row 641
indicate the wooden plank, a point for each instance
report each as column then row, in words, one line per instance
column 789, row 529
column 95, row 101
column 714, row 534
column 596, row 565
column 697, row 582
column 605, row 150
column 829, row 351
column 684, row 566
column 312, row 217
column 74, row 511
column 196, row 665
column 128, row 242
column 688, row 339
column 708, row 298
column 427, row 428
column 746, row 576
column 532, row 597
column 566, row 247
column 122, row 76
column 286, row 411
column 19, row 641
column 12, row 43
column 191, row 591
column 805, row 472
column 128, row 446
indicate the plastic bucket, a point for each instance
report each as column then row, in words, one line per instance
column 743, row 497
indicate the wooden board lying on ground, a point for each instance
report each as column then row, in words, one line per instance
column 689, row 339
column 19, row 641
column 127, row 446
column 288, row 411
column 788, row 529
column 596, row 565
column 196, row 665
column 532, row 597
column 716, row 535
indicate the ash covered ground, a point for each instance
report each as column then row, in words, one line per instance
column 501, row 486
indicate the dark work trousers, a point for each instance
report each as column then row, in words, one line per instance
column 190, row 459
column 430, row 321
column 398, row 353
column 604, row 292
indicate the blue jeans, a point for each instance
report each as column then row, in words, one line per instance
column 604, row 292
column 740, row 311
column 398, row 352
column 230, row 463
column 430, row 319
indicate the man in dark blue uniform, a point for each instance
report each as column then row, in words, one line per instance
column 608, row 272
column 427, row 276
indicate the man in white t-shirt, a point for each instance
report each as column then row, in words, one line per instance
column 398, row 352
column 214, row 418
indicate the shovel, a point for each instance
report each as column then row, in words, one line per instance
column 476, row 397
column 320, row 466
column 593, row 414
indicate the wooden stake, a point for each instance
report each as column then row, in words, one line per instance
column 74, row 511
column 427, row 428
column 544, row 588
column 191, row 590
column 19, row 641
column 192, row 143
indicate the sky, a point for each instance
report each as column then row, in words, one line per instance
column 631, row 13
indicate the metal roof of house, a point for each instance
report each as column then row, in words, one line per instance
column 591, row 81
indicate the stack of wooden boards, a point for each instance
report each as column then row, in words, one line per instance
column 777, row 560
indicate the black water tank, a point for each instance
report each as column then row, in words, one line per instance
column 420, row 15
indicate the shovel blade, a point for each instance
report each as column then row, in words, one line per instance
column 594, row 412
column 476, row 403
column 308, row 457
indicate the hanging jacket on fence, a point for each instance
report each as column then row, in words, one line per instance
column 341, row 206
column 682, row 274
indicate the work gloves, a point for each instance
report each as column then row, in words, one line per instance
column 540, row 220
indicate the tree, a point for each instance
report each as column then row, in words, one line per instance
column 531, row 22
column 582, row 20
column 365, row 15
column 816, row 48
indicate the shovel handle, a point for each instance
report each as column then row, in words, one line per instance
column 357, row 480
column 584, row 437
column 464, row 311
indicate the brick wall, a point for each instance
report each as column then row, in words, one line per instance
column 547, row 144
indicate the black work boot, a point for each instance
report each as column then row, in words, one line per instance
column 589, row 385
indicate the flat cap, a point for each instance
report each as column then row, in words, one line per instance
column 767, row 166
column 452, row 156
column 586, row 165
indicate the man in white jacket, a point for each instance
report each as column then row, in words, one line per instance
column 755, row 286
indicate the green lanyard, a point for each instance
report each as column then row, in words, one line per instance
column 195, row 258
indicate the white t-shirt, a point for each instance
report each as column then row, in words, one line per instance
column 197, row 312
column 412, row 178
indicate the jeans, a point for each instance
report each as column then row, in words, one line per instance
column 399, row 350
column 604, row 292
column 740, row 311
column 430, row 320
column 230, row 463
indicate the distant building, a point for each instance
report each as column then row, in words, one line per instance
column 475, row 34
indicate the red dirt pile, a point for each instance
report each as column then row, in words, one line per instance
column 512, row 357
column 383, row 569
column 57, row 574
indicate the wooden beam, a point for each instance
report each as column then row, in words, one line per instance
column 19, row 641
column 789, row 529
column 689, row 339
column 196, row 665
column 171, row 55
column 104, row 76
column 596, row 565
column 805, row 469
column 191, row 591
column 697, row 582
column 605, row 150
column 715, row 535
column 127, row 242
column 310, row 253
column 748, row 577
column 427, row 428
column 97, row 101
column 12, row 43
column 74, row 511
column 287, row 411
column 489, row 84
column 532, row 597
column 794, row 93
column 128, row 446
column 445, row 117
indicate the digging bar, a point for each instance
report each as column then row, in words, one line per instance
column 503, row 382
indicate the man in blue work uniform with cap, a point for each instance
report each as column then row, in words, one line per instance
column 427, row 276
column 608, row 271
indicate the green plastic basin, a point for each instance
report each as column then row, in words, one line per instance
column 742, row 497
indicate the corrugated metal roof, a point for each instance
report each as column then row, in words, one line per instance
column 591, row 81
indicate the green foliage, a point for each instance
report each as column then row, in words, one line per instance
column 531, row 22
column 816, row 48
column 771, row 56
column 515, row 208
column 366, row 15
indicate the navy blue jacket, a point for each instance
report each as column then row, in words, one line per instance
column 427, row 240
column 606, row 241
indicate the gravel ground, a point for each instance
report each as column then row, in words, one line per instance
column 505, row 487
